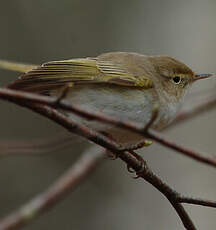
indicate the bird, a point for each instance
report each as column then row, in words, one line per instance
column 123, row 85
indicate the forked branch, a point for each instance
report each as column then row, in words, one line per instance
column 19, row 96
column 62, row 186
column 46, row 107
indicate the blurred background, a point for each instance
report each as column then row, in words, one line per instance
column 40, row 31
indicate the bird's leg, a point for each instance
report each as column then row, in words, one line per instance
column 142, row 164
column 130, row 149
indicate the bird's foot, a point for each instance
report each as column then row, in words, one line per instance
column 142, row 165
column 111, row 155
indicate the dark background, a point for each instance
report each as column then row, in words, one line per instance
column 40, row 31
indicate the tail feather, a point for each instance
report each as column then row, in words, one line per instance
column 17, row 67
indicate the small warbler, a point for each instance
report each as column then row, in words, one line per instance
column 119, row 84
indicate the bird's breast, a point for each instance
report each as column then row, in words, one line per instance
column 120, row 102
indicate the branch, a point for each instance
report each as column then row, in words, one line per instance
column 20, row 97
column 140, row 167
column 112, row 146
column 62, row 187
column 190, row 200
column 195, row 111
column 182, row 150
column 35, row 147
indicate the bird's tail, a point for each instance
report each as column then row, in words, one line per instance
column 17, row 67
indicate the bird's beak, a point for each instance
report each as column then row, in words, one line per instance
column 202, row 76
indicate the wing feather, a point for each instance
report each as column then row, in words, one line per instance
column 78, row 71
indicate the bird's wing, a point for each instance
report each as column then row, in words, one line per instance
column 78, row 71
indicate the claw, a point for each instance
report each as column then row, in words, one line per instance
column 111, row 155
column 112, row 158
column 142, row 165
column 138, row 173
column 136, row 177
column 130, row 170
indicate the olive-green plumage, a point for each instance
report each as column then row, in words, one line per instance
column 120, row 84
column 125, row 69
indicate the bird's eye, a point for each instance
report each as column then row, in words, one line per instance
column 176, row 79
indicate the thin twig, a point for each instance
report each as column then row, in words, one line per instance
column 37, row 146
column 181, row 149
column 62, row 187
column 196, row 201
column 141, row 170
column 130, row 160
column 19, row 96
column 195, row 111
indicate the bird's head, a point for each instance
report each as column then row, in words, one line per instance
column 173, row 77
